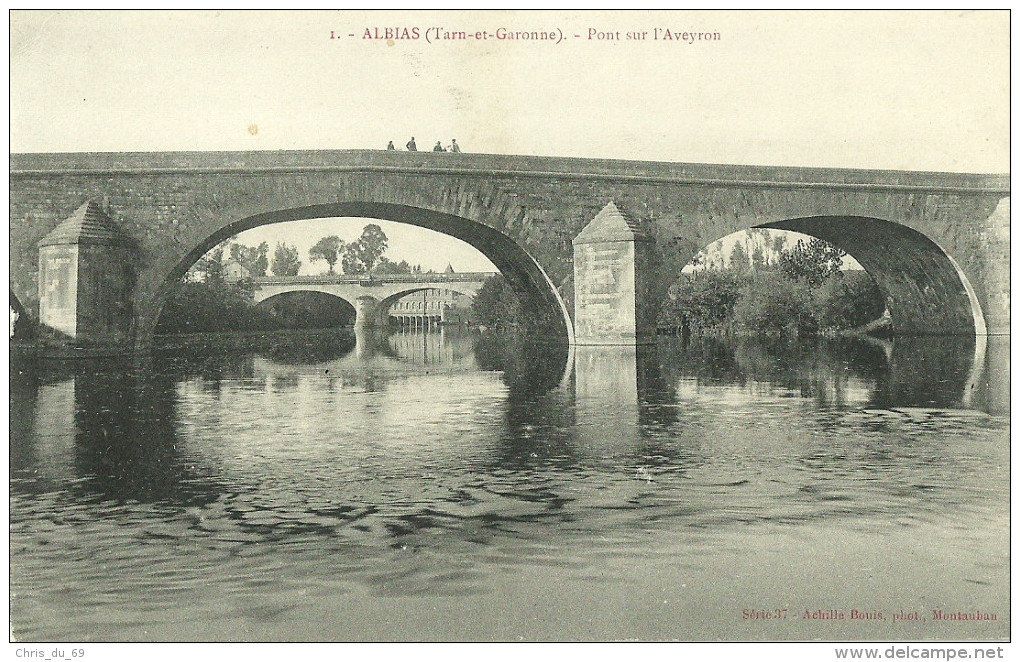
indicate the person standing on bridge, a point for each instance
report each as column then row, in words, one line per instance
column 438, row 147
column 454, row 147
column 411, row 147
column 390, row 147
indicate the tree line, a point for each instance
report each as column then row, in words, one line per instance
column 364, row 255
column 209, row 299
column 763, row 286
column 798, row 290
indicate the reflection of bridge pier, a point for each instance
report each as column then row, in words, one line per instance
column 369, row 341
column 103, row 426
column 611, row 383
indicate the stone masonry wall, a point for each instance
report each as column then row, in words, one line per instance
column 178, row 205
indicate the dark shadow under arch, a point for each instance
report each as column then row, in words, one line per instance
column 305, row 291
column 297, row 303
column 547, row 310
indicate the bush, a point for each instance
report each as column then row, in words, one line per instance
column 211, row 307
column 497, row 305
column 702, row 302
column 772, row 302
column 848, row 300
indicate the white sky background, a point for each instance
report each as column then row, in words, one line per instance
column 888, row 90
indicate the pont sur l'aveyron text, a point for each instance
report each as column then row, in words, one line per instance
column 434, row 34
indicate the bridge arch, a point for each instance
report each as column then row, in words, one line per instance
column 520, row 269
column 925, row 290
column 388, row 301
column 329, row 307
column 298, row 289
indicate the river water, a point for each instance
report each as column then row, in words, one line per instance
column 456, row 486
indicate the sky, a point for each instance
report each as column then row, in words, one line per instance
column 867, row 89
column 404, row 243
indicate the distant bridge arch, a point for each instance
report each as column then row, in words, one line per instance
column 370, row 295
column 384, row 287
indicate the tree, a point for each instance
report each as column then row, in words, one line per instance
column 739, row 261
column 759, row 260
column 209, row 267
column 363, row 255
column 813, row 262
column 285, row 260
column 255, row 260
column 387, row 267
column 772, row 302
column 351, row 263
column 703, row 302
column 851, row 299
column 760, row 242
column 329, row 249
column 261, row 261
column 211, row 306
column 777, row 247
column 497, row 305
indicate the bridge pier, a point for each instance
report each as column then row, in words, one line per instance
column 367, row 312
column 86, row 283
column 613, row 303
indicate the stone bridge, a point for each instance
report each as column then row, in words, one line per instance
column 937, row 244
column 370, row 295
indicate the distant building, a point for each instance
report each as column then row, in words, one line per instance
column 432, row 307
column 234, row 270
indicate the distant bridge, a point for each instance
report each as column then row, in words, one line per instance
column 372, row 295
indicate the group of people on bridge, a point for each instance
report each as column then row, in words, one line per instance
column 412, row 147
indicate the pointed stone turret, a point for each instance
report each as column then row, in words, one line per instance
column 86, row 280
column 611, row 224
column 612, row 257
column 88, row 224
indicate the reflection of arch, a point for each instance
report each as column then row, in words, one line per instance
column 926, row 292
column 521, row 270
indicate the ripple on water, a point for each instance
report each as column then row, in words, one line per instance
column 302, row 489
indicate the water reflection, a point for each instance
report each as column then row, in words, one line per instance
column 529, row 365
column 439, row 464
column 931, row 372
column 115, row 428
column 106, row 431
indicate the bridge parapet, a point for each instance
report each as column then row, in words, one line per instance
column 500, row 165
column 371, row 279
